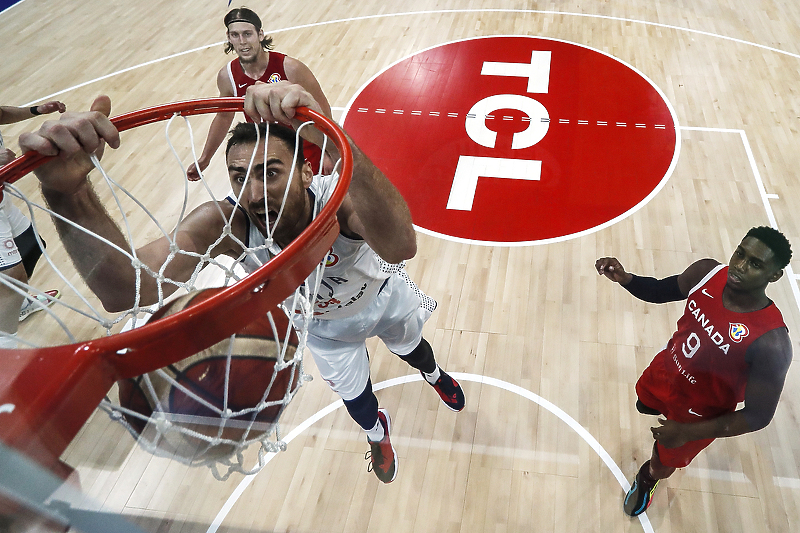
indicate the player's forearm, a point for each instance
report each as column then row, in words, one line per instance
column 654, row 290
column 728, row 425
column 11, row 114
column 323, row 103
column 216, row 134
column 107, row 271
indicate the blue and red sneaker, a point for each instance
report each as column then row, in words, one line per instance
column 449, row 391
column 640, row 496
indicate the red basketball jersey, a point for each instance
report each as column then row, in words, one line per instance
column 242, row 81
column 274, row 73
column 702, row 372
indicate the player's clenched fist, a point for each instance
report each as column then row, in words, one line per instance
column 611, row 268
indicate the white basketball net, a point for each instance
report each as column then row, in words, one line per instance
column 78, row 316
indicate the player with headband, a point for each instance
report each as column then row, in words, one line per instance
column 255, row 62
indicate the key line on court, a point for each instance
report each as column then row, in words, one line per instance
column 762, row 191
column 475, row 378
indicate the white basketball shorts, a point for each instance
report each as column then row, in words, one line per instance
column 396, row 316
column 12, row 224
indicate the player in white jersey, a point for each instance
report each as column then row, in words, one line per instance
column 19, row 249
column 366, row 291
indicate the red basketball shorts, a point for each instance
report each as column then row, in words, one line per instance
column 655, row 389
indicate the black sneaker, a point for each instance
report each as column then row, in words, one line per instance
column 640, row 496
column 449, row 391
column 383, row 457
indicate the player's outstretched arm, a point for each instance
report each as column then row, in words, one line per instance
column 670, row 289
column 69, row 193
column 374, row 208
column 216, row 132
column 11, row 114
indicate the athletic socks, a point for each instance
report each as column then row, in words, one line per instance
column 432, row 377
column 646, row 477
column 363, row 408
column 376, row 433
column 8, row 343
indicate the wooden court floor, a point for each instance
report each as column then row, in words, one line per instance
column 547, row 352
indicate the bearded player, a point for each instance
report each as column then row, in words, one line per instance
column 255, row 62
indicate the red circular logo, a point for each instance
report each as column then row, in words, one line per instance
column 516, row 140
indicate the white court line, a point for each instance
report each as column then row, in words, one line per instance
column 765, row 198
column 428, row 12
column 432, row 444
column 510, row 387
column 720, row 475
column 787, row 482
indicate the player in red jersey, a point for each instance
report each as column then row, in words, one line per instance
column 256, row 62
column 731, row 346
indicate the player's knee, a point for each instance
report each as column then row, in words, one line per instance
column 16, row 271
column 421, row 357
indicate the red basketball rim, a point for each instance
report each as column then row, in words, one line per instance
column 51, row 391
column 255, row 294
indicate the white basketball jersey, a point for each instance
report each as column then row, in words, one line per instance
column 353, row 273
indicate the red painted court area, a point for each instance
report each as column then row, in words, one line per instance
column 515, row 139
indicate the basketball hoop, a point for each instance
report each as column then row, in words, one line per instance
column 48, row 390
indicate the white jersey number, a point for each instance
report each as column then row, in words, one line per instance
column 691, row 345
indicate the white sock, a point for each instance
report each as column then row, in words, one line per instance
column 8, row 343
column 433, row 377
column 376, row 433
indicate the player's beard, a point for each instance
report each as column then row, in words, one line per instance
column 252, row 59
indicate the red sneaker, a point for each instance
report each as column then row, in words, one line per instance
column 382, row 454
column 449, row 391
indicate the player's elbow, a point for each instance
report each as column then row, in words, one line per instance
column 757, row 421
column 401, row 249
column 408, row 247
column 113, row 304
column 115, row 294
column 397, row 256
column 118, row 301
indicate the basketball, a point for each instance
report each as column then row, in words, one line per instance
column 204, row 407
